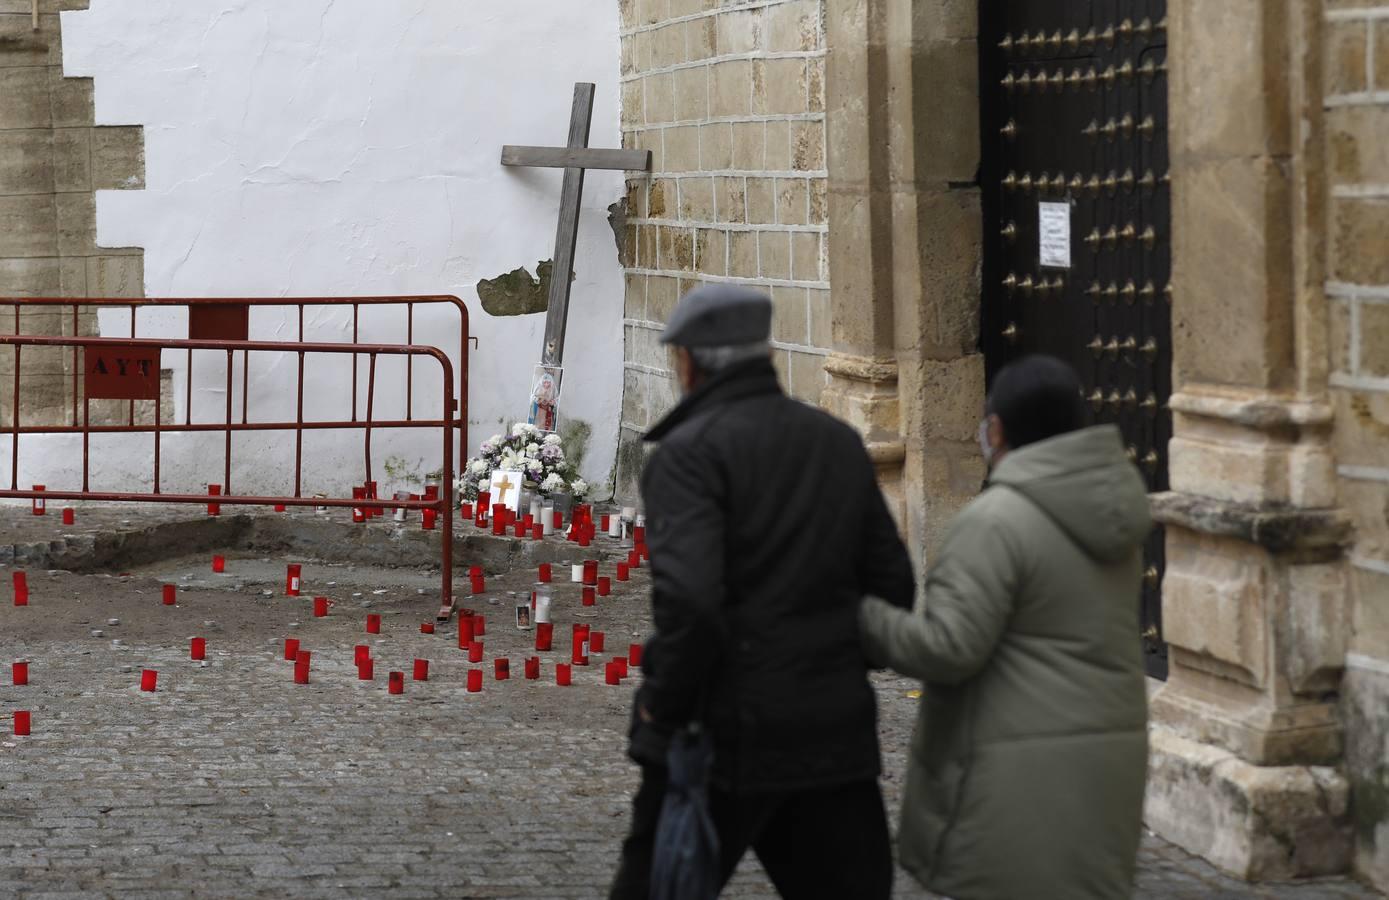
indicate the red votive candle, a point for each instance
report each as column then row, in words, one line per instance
column 595, row 641
column 475, row 651
column 620, row 663
column 644, row 552
column 291, row 648
column 532, row 668
column 589, row 596
column 639, row 535
column 198, row 648
column 547, row 572
column 584, row 539
column 301, row 672
column 214, row 490
column 426, row 628
column 558, row 520
column 479, row 626
column 465, row 631
column 634, row 560
column 537, row 532
column 544, row 635
column 634, row 655
column 563, row 674
column 421, row 672
column 499, row 525
column 605, row 586
column 219, row 563
column 292, row 579
column 22, row 722
column 428, row 519
column 520, row 530
column 475, row 571
column 580, row 655
column 302, row 657
column 148, row 679
column 465, row 511
column 624, row 572
column 366, row 669
column 373, row 624
column 502, row 669
column 361, row 652
column 320, row 607
column 395, row 682
column 479, row 584
column 279, row 507
column 170, row 595
column 39, row 505
column 69, row 517
column 474, row 680
column 591, row 571
column 604, row 523
column 21, row 589
column 610, row 675
column 19, row 672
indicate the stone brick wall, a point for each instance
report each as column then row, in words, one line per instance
column 1357, row 125
column 729, row 97
column 52, row 160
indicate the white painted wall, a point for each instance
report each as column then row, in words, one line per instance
column 339, row 147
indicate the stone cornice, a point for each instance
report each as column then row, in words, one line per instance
column 862, row 368
column 1316, row 534
column 1251, row 408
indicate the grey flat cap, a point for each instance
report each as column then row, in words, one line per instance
column 720, row 315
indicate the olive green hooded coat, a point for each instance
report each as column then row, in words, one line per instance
column 1026, row 772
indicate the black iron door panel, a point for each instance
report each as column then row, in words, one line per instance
column 1077, row 210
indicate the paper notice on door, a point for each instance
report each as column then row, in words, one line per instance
column 1054, row 234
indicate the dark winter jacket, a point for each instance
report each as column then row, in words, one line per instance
column 766, row 528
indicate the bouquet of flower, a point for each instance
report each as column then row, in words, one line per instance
column 537, row 457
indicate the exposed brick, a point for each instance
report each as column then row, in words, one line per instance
column 1346, row 44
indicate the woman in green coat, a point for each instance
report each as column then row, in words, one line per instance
column 1026, row 772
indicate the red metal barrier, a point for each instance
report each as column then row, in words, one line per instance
column 128, row 369
column 227, row 318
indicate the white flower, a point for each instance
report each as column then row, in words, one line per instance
column 552, row 483
column 532, row 449
column 552, row 438
column 479, row 466
column 579, row 487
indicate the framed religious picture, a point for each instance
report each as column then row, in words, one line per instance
column 523, row 616
column 506, row 488
column 544, row 407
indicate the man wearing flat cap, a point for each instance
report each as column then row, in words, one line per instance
column 766, row 527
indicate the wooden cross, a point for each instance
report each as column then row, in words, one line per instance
column 505, row 487
column 574, row 159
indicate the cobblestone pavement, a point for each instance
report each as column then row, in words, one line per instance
column 232, row 781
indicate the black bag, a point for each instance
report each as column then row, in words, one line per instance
column 685, row 863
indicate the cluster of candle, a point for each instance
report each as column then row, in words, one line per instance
column 40, row 506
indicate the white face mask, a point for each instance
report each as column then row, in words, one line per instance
column 984, row 444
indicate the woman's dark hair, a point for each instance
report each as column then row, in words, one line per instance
column 1036, row 397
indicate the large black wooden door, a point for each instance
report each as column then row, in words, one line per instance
column 1077, row 218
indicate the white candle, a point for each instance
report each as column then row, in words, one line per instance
column 578, row 576
column 547, row 518
column 535, row 509
column 614, row 526
column 629, row 513
column 542, row 605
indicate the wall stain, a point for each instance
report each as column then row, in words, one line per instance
column 517, row 293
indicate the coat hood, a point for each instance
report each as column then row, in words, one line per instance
column 1087, row 485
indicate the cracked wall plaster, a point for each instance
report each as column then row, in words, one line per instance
column 338, row 147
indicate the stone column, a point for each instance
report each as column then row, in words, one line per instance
column 902, row 129
column 1254, row 601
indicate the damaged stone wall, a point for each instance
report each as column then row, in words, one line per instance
column 1357, row 124
column 352, row 147
column 731, row 103
column 53, row 158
